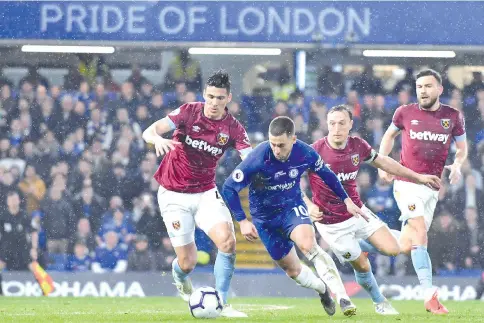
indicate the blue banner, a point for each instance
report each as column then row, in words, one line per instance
column 328, row 22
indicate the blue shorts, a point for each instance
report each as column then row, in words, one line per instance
column 275, row 232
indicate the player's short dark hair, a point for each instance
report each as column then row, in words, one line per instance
column 342, row 108
column 219, row 79
column 282, row 125
column 429, row 72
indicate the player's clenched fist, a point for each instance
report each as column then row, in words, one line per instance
column 163, row 146
column 248, row 230
column 385, row 176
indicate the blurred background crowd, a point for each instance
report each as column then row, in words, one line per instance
column 73, row 152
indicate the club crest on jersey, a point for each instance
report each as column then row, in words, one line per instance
column 347, row 255
column 411, row 207
column 222, row 139
column 445, row 123
column 176, row 225
column 293, row 173
column 355, row 159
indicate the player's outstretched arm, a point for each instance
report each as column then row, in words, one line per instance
column 460, row 157
column 386, row 147
column 390, row 166
column 230, row 194
column 153, row 135
column 239, row 179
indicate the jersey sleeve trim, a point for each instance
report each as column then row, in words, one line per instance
column 460, row 138
column 394, row 127
column 372, row 156
column 170, row 122
column 244, row 152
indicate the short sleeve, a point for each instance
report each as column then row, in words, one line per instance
column 459, row 128
column 367, row 153
column 397, row 119
column 180, row 115
column 241, row 140
column 242, row 175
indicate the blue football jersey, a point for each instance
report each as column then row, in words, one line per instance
column 274, row 185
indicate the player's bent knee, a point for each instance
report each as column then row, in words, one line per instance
column 226, row 243
column 223, row 236
column 306, row 246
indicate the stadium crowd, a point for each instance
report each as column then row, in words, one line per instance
column 75, row 156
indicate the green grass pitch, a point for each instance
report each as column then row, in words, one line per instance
column 167, row 309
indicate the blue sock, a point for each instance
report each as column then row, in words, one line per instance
column 368, row 247
column 223, row 271
column 423, row 266
column 178, row 273
column 368, row 282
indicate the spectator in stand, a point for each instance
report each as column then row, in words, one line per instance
column 83, row 235
column 112, row 256
column 184, row 69
column 136, row 78
column 475, row 85
column 367, row 83
column 58, row 221
column 79, row 260
column 121, row 225
column 141, row 258
column 33, row 188
column 19, row 240
column 157, row 107
column 407, row 83
column 444, row 244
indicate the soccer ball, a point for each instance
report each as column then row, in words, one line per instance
column 205, row 303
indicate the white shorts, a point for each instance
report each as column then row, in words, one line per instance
column 182, row 211
column 415, row 200
column 343, row 237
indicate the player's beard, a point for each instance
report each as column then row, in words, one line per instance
column 429, row 105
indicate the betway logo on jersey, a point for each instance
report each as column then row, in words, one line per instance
column 429, row 136
column 347, row 176
column 203, row 145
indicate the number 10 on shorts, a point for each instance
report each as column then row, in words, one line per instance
column 301, row 211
